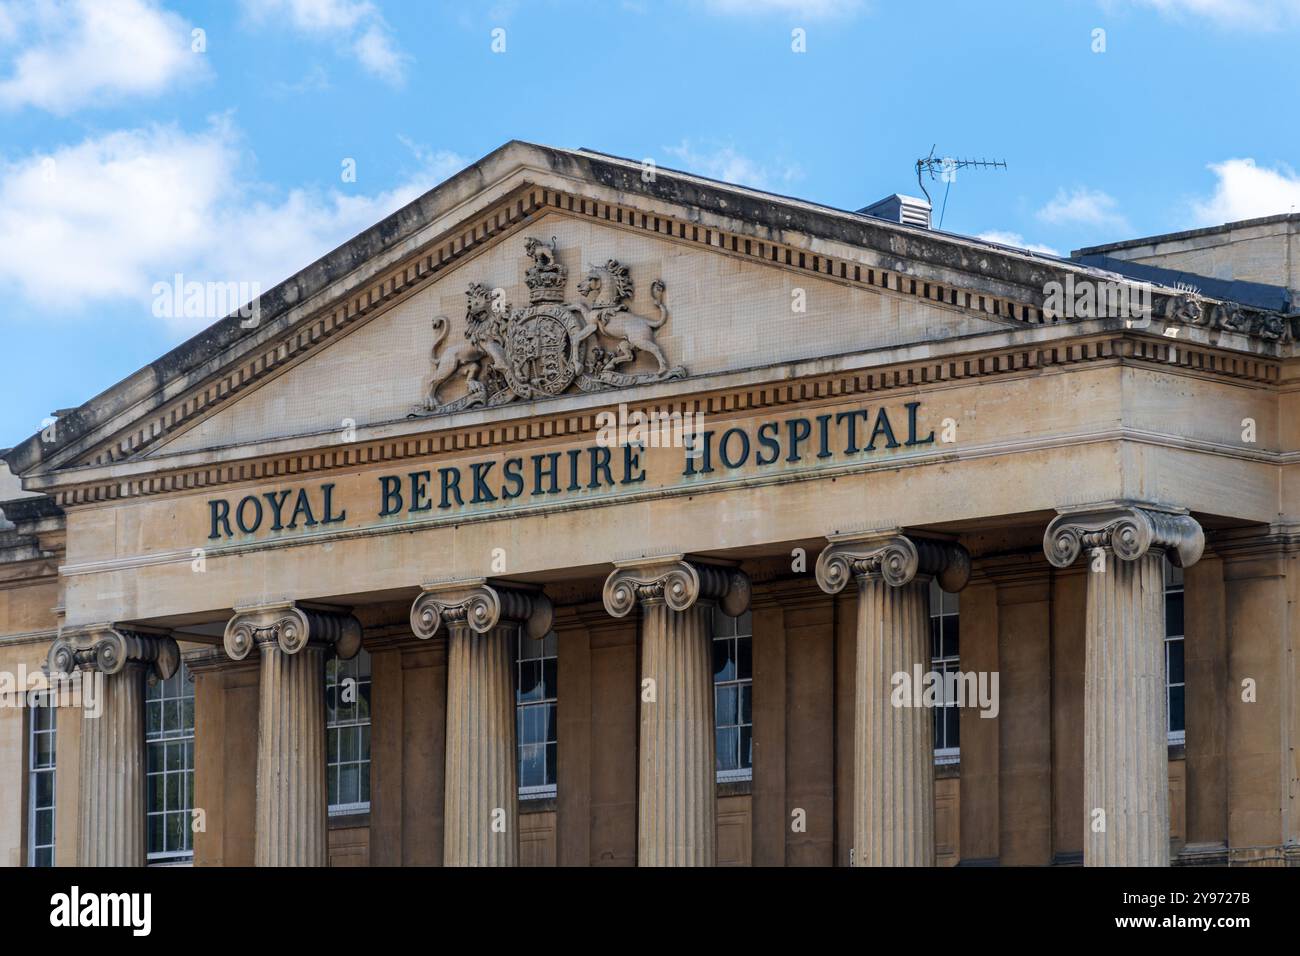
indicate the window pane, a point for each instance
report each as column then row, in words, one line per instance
column 1175, row 661
column 951, row 632
column 531, row 769
column 728, row 739
column 530, row 680
column 724, row 660
column 952, row 720
column 349, row 783
column 45, row 750
column 725, row 714
column 746, row 747
column 44, row 826
column 744, row 658
column 1174, row 614
column 156, row 833
column 548, row 722
column 1176, row 718
column 746, row 704
column 175, row 831
column 550, row 764
column 548, row 678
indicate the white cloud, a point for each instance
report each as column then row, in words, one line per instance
column 1242, row 14
column 102, row 221
column 729, row 166
column 355, row 24
column 78, row 53
column 807, row 9
column 1017, row 240
column 1247, row 191
column 1084, row 207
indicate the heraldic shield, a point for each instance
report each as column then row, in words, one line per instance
column 550, row 346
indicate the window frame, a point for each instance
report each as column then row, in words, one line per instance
column 45, row 701
column 364, row 740
column 942, row 605
column 732, row 632
column 1174, row 583
column 165, row 737
column 543, row 791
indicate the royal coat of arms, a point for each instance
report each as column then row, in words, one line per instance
column 552, row 345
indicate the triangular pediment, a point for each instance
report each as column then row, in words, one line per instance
column 596, row 309
column 722, row 280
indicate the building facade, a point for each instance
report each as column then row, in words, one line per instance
column 582, row 513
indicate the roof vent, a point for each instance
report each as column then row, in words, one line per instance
column 908, row 210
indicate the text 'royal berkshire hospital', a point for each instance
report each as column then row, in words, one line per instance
column 584, row 513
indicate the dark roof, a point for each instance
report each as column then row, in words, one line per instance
column 1254, row 294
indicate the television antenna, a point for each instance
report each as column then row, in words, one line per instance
column 946, row 167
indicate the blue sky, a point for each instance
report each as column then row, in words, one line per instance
column 128, row 156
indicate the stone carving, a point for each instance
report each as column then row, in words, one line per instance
column 480, row 607
column 895, row 558
column 291, row 628
column 109, row 649
column 1128, row 531
column 550, row 346
column 677, row 583
column 1190, row 309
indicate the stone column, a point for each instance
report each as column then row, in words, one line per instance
column 292, row 798
column 677, row 799
column 1125, row 754
column 481, row 798
column 111, row 666
column 893, row 781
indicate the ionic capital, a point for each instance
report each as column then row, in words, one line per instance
column 291, row 628
column 893, row 557
column 109, row 649
column 676, row 582
column 1127, row 530
column 480, row 607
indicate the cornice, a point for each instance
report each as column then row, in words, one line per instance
column 523, row 183
column 940, row 365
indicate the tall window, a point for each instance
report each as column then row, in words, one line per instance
column 169, row 771
column 40, row 783
column 944, row 660
column 536, row 700
column 1174, row 686
column 733, row 695
column 347, row 722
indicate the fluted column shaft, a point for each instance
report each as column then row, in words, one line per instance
column 292, row 800
column 677, row 799
column 292, row 808
column 480, row 812
column 893, row 735
column 111, row 806
column 676, row 808
column 893, row 768
column 111, row 664
column 1125, row 753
